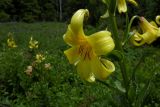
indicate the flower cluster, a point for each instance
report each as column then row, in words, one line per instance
column 39, row 58
column 33, row 44
column 10, row 41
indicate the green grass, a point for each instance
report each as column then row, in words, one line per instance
column 58, row 87
column 61, row 86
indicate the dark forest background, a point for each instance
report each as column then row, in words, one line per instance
column 62, row 10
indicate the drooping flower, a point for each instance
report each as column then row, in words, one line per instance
column 150, row 32
column 122, row 6
column 33, row 44
column 86, row 51
column 10, row 41
column 39, row 58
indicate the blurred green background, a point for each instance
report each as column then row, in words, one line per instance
column 62, row 10
column 46, row 21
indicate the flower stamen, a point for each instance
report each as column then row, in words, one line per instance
column 85, row 51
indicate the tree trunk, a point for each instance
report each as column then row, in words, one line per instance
column 60, row 10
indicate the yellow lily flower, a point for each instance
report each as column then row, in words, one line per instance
column 122, row 6
column 33, row 43
column 39, row 58
column 150, row 33
column 10, row 41
column 85, row 50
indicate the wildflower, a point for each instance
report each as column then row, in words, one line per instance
column 10, row 41
column 39, row 58
column 28, row 71
column 150, row 32
column 85, row 50
column 33, row 43
column 122, row 6
column 47, row 66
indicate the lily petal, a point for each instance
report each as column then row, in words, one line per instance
column 71, row 38
column 122, row 7
column 158, row 19
column 72, row 55
column 137, row 39
column 154, row 24
column 146, row 26
column 102, row 68
column 77, row 21
column 101, row 42
column 148, row 37
column 84, row 70
column 75, row 34
column 158, row 32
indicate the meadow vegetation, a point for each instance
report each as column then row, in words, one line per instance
column 60, row 86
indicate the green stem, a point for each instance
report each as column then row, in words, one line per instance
column 119, row 47
column 128, row 27
column 115, row 32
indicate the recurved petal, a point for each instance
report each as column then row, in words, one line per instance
column 158, row 19
column 77, row 20
column 122, row 7
column 101, row 42
column 72, row 55
column 140, row 39
column 85, row 71
column 137, row 39
column 102, row 68
column 69, row 37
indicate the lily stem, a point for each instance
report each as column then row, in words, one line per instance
column 118, row 44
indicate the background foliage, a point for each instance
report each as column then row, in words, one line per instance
column 49, row 10
column 61, row 86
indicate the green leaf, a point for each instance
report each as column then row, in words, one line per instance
column 148, row 51
column 116, row 55
column 132, row 91
column 119, row 86
column 144, row 93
